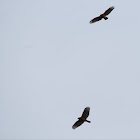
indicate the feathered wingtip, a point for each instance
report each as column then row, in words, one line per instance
column 90, row 22
column 112, row 7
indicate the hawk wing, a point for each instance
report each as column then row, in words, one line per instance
column 108, row 10
column 95, row 19
column 86, row 112
column 78, row 123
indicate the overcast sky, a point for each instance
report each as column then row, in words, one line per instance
column 53, row 64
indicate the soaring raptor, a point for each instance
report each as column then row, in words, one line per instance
column 82, row 119
column 104, row 15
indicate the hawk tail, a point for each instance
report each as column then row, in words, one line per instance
column 88, row 121
column 105, row 18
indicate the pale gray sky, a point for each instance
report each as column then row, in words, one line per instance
column 53, row 64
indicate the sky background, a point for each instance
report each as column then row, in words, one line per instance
column 53, row 64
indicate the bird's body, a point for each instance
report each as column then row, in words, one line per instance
column 82, row 119
column 102, row 16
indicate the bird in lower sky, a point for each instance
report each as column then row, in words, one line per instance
column 104, row 15
column 82, row 119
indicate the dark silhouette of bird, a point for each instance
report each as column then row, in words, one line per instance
column 82, row 119
column 102, row 15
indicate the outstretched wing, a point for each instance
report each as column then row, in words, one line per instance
column 86, row 112
column 95, row 19
column 108, row 10
column 78, row 123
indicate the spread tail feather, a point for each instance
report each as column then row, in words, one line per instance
column 105, row 18
column 88, row 121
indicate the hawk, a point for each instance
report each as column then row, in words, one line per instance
column 82, row 119
column 102, row 15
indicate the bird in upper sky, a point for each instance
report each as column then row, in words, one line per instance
column 82, row 119
column 104, row 15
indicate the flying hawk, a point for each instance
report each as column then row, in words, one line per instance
column 102, row 15
column 82, row 119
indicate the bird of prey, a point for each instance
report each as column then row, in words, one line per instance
column 82, row 119
column 102, row 15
